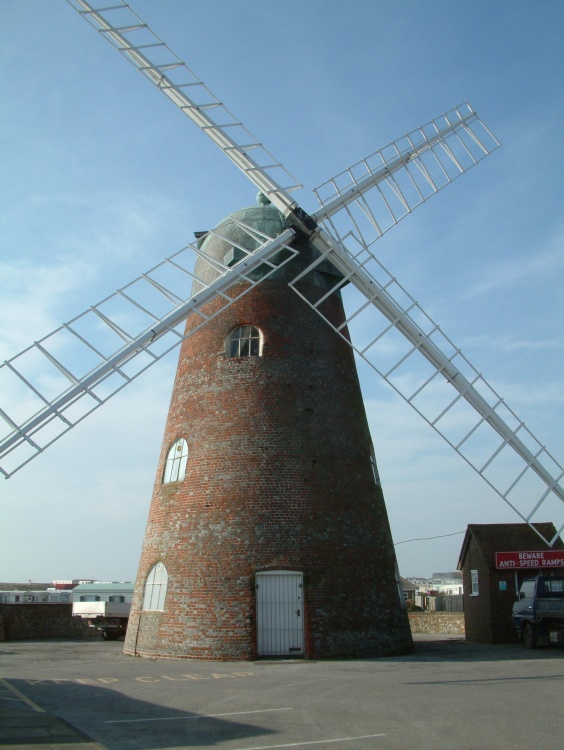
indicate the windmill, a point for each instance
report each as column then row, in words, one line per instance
column 102, row 350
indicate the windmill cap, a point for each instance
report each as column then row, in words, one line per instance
column 229, row 237
column 229, row 242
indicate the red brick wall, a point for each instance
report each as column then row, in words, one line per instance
column 502, row 600
column 487, row 616
column 278, row 477
column 37, row 621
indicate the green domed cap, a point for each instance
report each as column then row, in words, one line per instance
column 225, row 246
column 265, row 218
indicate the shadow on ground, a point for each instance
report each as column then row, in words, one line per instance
column 117, row 721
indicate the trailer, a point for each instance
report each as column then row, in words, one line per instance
column 105, row 606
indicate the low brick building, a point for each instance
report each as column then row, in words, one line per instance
column 489, row 593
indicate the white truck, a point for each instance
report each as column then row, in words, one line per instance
column 106, row 606
column 538, row 613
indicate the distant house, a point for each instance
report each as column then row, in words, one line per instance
column 105, row 606
column 43, row 593
column 38, row 596
column 120, row 593
column 489, row 593
column 409, row 589
column 443, row 584
column 440, row 593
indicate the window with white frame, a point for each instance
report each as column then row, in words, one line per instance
column 374, row 467
column 155, row 588
column 399, row 585
column 244, row 341
column 175, row 466
column 474, row 579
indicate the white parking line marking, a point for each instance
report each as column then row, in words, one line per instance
column 192, row 718
column 313, row 742
column 21, row 696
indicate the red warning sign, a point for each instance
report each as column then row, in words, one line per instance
column 546, row 559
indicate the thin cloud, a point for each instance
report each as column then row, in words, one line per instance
column 509, row 344
column 106, row 225
column 31, row 298
column 520, row 270
column 80, row 262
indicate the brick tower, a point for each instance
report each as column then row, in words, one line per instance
column 267, row 532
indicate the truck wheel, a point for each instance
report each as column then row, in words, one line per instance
column 110, row 635
column 529, row 636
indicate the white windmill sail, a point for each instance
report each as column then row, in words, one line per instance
column 140, row 46
column 57, row 381
column 390, row 331
column 357, row 207
column 367, row 199
column 69, row 373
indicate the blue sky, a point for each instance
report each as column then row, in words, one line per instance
column 102, row 177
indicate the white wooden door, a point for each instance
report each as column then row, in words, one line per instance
column 280, row 613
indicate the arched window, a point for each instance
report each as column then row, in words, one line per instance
column 244, row 341
column 155, row 588
column 175, row 466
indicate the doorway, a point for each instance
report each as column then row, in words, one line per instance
column 280, row 613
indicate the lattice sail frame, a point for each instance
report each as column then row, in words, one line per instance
column 357, row 207
column 367, row 199
column 389, row 330
column 62, row 378
column 39, row 416
column 141, row 47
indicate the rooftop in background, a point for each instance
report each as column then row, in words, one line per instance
column 506, row 537
column 29, row 586
column 98, row 586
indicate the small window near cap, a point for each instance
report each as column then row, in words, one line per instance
column 244, row 341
